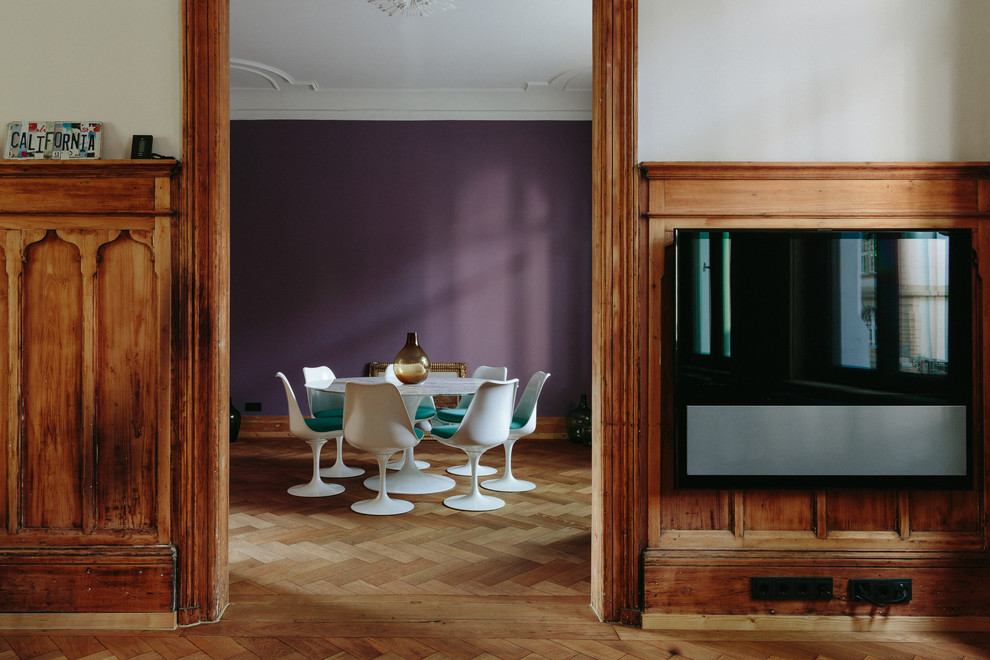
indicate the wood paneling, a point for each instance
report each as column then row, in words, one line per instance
column 705, row 545
column 120, row 194
column 619, row 278
column 782, row 510
column 699, row 509
column 10, row 389
column 704, row 583
column 946, row 511
column 820, row 197
column 53, row 445
column 181, row 439
column 126, row 383
column 86, row 298
column 861, row 510
column 104, row 580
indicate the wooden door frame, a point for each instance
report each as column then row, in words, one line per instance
column 201, row 359
column 619, row 323
column 201, row 364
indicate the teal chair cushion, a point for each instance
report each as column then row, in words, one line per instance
column 425, row 412
column 325, row 424
column 329, row 414
column 419, row 434
column 451, row 415
column 445, row 431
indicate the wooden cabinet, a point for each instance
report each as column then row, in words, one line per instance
column 85, row 310
column 705, row 545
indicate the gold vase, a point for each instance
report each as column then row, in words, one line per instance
column 412, row 364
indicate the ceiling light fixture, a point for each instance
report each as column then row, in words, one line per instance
column 412, row 7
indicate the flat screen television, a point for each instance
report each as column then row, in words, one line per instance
column 823, row 359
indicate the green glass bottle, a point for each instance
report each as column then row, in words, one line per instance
column 579, row 423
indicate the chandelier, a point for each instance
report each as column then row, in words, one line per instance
column 412, row 7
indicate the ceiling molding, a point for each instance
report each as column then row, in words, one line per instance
column 271, row 74
column 574, row 80
column 260, row 91
column 405, row 105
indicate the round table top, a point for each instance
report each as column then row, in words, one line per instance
column 432, row 386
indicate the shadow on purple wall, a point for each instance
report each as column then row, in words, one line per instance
column 346, row 235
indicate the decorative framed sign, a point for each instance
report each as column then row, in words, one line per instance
column 54, row 140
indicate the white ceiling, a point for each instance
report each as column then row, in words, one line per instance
column 347, row 59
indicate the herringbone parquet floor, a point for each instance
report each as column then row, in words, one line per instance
column 311, row 579
column 536, row 546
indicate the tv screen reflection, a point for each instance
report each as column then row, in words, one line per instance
column 849, row 330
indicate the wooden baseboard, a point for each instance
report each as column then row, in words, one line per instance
column 114, row 580
column 819, row 625
column 270, row 426
column 88, row 621
column 945, row 585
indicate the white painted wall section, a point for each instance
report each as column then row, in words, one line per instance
column 814, row 80
column 115, row 61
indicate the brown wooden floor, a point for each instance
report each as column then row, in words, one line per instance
column 311, row 579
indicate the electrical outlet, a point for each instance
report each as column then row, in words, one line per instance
column 252, row 406
column 791, row 588
column 880, row 592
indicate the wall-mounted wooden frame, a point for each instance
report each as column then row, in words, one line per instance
column 704, row 545
column 459, row 369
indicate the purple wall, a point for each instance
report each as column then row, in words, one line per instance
column 346, row 235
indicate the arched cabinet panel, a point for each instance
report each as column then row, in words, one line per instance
column 53, row 443
column 6, row 386
column 126, row 386
column 85, row 313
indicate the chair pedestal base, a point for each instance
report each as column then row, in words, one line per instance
column 316, row 489
column 474, row 502
column 382, row 507
column 465, row 470
column 399, row 463
column 411, row 482
column 339, row 470
column 508, row 484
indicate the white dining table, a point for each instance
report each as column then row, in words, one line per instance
column 410, row 479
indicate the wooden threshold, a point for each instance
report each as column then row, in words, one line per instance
column 88, row 621
column 898, row 626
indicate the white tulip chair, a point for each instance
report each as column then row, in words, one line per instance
column 375, row 421
column 523, row 423
column 329, row 405
column 485, row 425
column 456, row 415
column 315, row 432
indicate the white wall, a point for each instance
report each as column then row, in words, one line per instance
column 115, row 61
column 815, row 80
